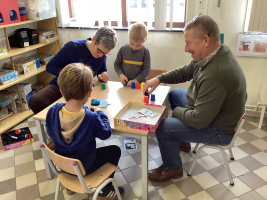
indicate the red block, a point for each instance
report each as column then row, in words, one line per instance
column 5, row 7
column 137, row 86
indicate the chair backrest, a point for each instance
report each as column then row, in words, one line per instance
column 155, row 72
column 64, row 163
column 238, row 129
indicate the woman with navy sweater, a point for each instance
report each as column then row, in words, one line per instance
column 91, row 52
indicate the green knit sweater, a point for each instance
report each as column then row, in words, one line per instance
column 217, row 94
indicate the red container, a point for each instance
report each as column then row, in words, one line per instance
column 146, row 99
column 5, row 8
column 137, row 86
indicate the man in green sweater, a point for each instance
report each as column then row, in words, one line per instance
column 210, row 109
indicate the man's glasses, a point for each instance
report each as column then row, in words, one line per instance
column 196, row 18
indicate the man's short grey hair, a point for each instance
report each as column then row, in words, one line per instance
column 204, row 25
column 107, row 37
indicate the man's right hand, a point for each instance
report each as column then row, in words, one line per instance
column 123, row 79
column 152, row 83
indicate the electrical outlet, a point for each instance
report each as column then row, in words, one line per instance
column 200, row 4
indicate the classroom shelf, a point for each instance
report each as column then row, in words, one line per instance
column 12, row 121
column 16, row 51
column 23, row 77
column 20, row 23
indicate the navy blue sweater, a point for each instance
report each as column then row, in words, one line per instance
column 75, row 51
column 83, row 145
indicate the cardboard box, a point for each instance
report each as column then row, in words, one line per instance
column 12, row 140
column 129, row 116
column 7, row 98
column 23, row 87
column 23, row 65
column 6, row 75
column 8, row 81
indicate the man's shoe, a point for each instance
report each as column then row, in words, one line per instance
column 186, row 147
column 109, row 193
column 69, row 192
column 163, row 173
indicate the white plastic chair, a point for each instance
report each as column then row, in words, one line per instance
column 221, row 148
column 92, row 183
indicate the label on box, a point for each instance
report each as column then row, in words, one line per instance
column 26, row 44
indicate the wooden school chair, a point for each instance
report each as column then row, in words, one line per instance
column 92, row 183
column 221, row 148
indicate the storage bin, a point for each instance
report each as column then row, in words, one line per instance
column 3, row 47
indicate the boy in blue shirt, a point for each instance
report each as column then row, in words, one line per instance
column 133, row 60
column 73, row 127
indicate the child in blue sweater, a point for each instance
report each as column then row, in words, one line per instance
column 73, row 127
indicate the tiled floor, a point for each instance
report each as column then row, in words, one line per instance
column 22, row 173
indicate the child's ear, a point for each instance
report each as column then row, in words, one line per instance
column 61, row 91
column 89, row 93
column 145, row 40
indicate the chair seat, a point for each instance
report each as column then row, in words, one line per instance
column 92, row 180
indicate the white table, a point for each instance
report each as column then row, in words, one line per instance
column 119, row 96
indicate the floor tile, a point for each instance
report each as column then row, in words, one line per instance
column 154, row 152
column 261, row 157
column 7, row 162
column 35, row 137
column 251, row 195
column 238, row 153
column 251, row 163
column 133, row 151
column 258, row 133
column 119, row 178
column 52, row 196
column 265, row 138
column 239, row 141
column 210, row 151
column 205, row 180
column 37, row 154
column 23, row 149
column 6, row 154
column 138, row 157
column 23, row 158
column 185, row 157
column 151, row 165
column 220, row 192
column 152, row 143
column 114, row 141
column 239, row 188
column 261, row 144
column 29, row 193
column 31, row 124
column 36, row 146
column 132, row 174
column 248, row 126
column 185, row 176
column 41, row 176
column 124, row 152
column 249, row 137
column 26, row 180
column 33, row 130
column 262, row 172
column 220, row 174
column 24, row 169
column 237, row 168
column 7, row 173
column 171, row 192
column 249, row 149
column 47, row 187
column 193, row 155
column 137, row 187
column 39, row 164
column 153, row 196
column 219, row 158
column 128, row 192
column 98, row 145
column 159, row 161
column 126, row 162
column 7, row 186
column 200, row 195
column 197, row 169
column 252, row 180
column 189, row 187
column 262, row 191
column 8, row 196
column 208, row 162
column 159, row 185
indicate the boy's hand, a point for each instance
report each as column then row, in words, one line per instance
column 123, row 79
column 130, row 82
column 103, row 77
column 95, row 109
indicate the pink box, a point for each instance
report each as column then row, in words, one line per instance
column 129, row 116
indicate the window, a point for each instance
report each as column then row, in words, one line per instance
column 121, row 13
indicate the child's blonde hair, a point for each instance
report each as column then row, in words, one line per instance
column 75, row 81
column 138, row 32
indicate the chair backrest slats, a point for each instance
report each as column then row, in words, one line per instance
column 64, row 163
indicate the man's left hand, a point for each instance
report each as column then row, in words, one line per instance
column 103, row 77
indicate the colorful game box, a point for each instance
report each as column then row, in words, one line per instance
column 23, row 65
column 7, row 75
column 16, row 138
column 7, row 98
column 142, row 116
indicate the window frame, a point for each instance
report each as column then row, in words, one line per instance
column 124, row 17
